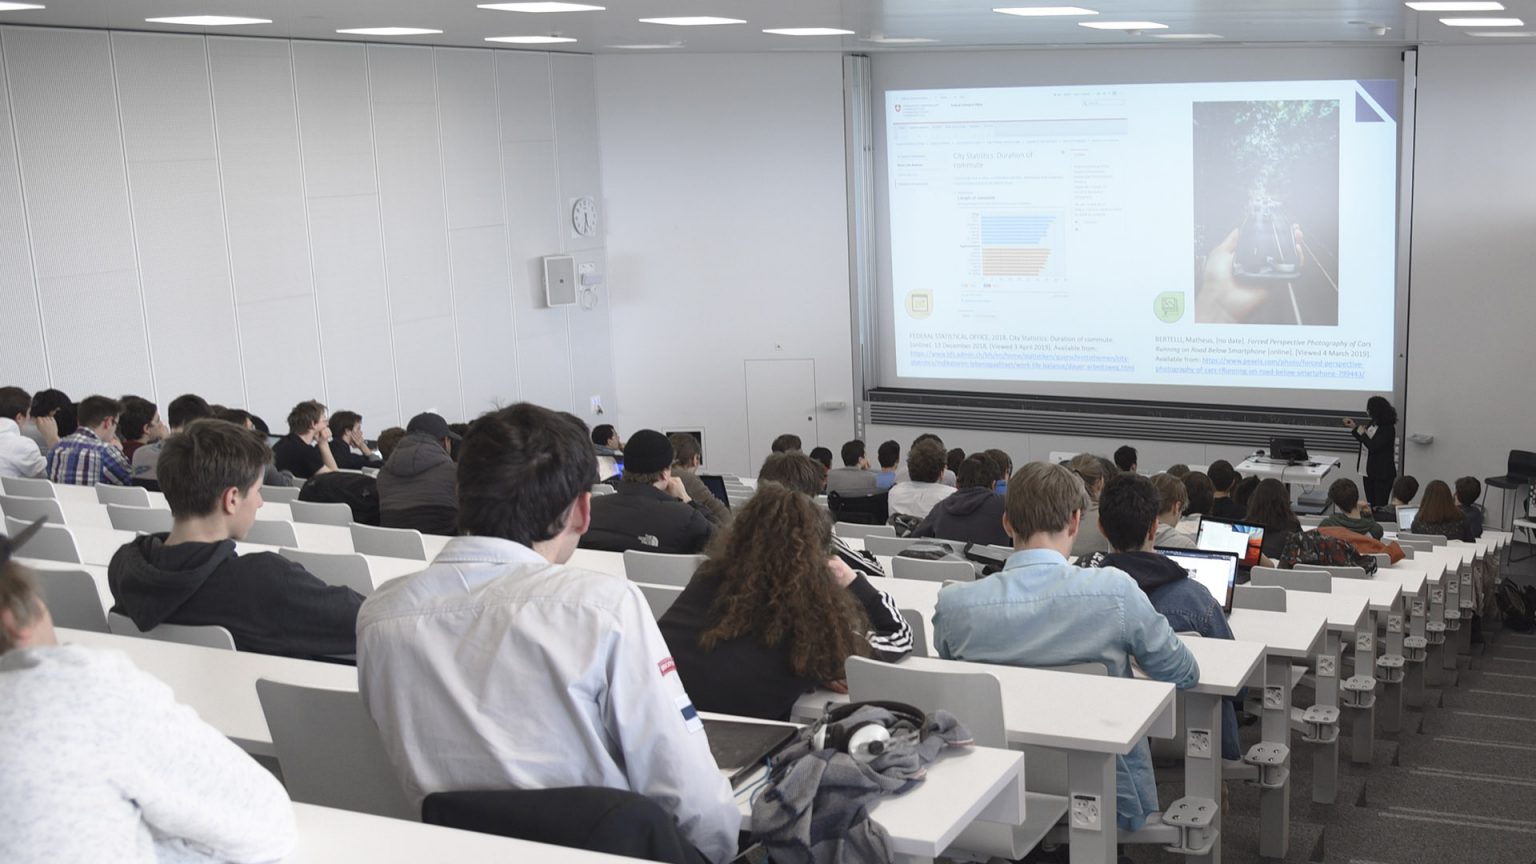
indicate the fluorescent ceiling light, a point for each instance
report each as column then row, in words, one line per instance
column 897, row 40
column 390, row 31
column 692, row 21
column 1123, row 25
column 19, row 7
column 1043, row 11
column 1187, row 36
column 1482, row 22
column 1504, row 34
column 208, row 20
column 541, row 7
column 1455, row 6
column 530, row 40
column 809, row 31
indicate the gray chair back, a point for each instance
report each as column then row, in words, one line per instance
column 1389, row 527
column 145, row 520
column 850, row 530
column 1432, row 539
column 660, row 597
column 1338, row 572
column 975, row 698
column 28, row 487
column 1318, row 581
column 280, row 494
column 1411, row 545
column 209, row 636
column 878, row 545
column 601, row 489
column 272, row 533
column 32, row 509
column 1264, row 598
column 1078, row 669
column 73, row 599
column 127, row 496
column 317, row 513
column 388, row 542
column 330, row 751
column 932, row 571
column 51, row 542
column 919, row 627
column 657, row 568
column 347, row 568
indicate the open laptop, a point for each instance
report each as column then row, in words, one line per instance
column 1405, row 517
column 1293, row 450
column 1243, row 539
column 716, row 486
column 1217, row 571
column 740, row 747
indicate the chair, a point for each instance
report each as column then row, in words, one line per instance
column 975, row 698
column 28, row 487
column 317, row 513
column 72, row 598
column 51, row 542
column 1432, row 539
column 207, row 636
column 660, row 597
column 657, row 568
column 389, row 542
column 280, row 494
column 932, row 571
column 144, row 520
column 872, row 509
column 127, row 496
column 601, row 489
column 1340, row 572
column 1411, row 546
column 272, row 533
column 1309, row 521
column 1296, row 580
column 852, row 530
column 33, row 509
column 1518, row 471
column 1263, row 598
column 877, row 545
column 348, row 569
column 1389, row 527
column 919, row 632
column 330, row 751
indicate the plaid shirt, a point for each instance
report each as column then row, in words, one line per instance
column 82, row 459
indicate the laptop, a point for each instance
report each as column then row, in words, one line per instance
column 739, row 748
column 1288, row 449
column 716, row 486
column 1405, row 517
column 1243, row 539
column 1217, row 571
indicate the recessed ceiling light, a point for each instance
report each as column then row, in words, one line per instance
column 1503, row 34
column 19, row 7
column 208, row 20
column 389, row 31
column 1482, row 22
column 809, row 31
column 896, row 40
column 1455, row 6
column 541, row 7
column 530, row 40
column 1043, row 11
column 1187, row 36
column 692, row 21
column 1123, row 25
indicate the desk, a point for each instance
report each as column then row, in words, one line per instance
column 1309, row 475
column 1386, row 599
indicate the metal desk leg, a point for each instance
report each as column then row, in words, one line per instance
column 1453, row 626
column 1413, row 692
column 1363, row 726
column 1434, row 628
column 1325, row 752
column 1202, row 764
column 1392, row 691
column 1094, row 831
column 1275, row 803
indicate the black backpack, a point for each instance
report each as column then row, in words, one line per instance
column 1518, row 606
column 358, row 491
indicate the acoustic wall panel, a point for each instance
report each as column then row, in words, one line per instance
column 331, row 79
column 467, row 84
column 22, row 355
column 522, row 86
column 282, row 364
column 426, row 366
column 573, row 96
column 483, row 306
column 543, row 341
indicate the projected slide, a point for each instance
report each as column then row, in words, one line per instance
column 1212, row 234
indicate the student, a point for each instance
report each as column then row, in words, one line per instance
column 974, row 514
column 947, row 477
column 388, row 439
column 1125, row 459
column 210, row 473
column 1284, row 541
column 786, row 443
column 102, row 764
column 1380, row 442
column 1403, row 490
column 500, row 667
column 1095, row 471
column 246, row 420
column 1003, row 460
column 19, row 454
column 349, row 447
column 1223, row 481
column 418, row 486
column 606, row 439
column 1349, row 511
column 139, row 424
column 1042, row 611
column 1242, row 491
column 687, row 457
column 182, row 410
column 854, row 477
column 1202, row 493
column 652, row 511
column 1270, row 507
column 1468, row 489
column 953, row 460
column 53, row 417
column 889, row 456
column 1178, row 470
column 822, row 456
column 1172, row 497
column 916, row 496
column 799, row 473
column 774, row 612
column 1438, row 514
column 303, row 452
column 1129, row 518
column 90, row 455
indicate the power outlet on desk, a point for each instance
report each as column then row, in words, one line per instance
column 1198, row 744
column 1327, row 666
column 1274, row 698
column 1085, row 812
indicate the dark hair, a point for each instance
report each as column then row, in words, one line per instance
column 388, row 439
column 785, row 443
column 1171, row 492
column 1467, row 490
column 14, row 402
column 1128, row 509
column 1243, row 490
column 953, row 458
column 200, row 462
column 823, row 456
column 342, row 421
column 186, row 408
column 94, row 409
column 978, row 469
column 685, row 448
column 1405, row 487
column 45, row 402
column 1438, row 504
column 520, row 470
column 1222, row 476
column 260, row 424
column 602, row 433
column 1003, row 460
column 237, row 416
column 304, row 416
column 1202, row 493
column 888, row 454
column 794, row 470
column 1178, row 469
column 853, row 451
column 928, row 436
column 1381, row 411
column 1344, row 494
column 925, row 462
column 1270, row 506
column 1125, row 458
column 137, row 414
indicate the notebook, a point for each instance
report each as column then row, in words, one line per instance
column 1217, row 571
column 739, row 748
column 1243, row 539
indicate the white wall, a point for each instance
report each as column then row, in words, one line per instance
column 727, row 237
column 263, row 221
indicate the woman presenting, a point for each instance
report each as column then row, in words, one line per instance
column 1380, row 441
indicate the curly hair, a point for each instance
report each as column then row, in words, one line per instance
column 775, row 585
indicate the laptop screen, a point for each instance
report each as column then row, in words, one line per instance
column 716, row 486
column 1405, row 517
column 1243, row 539
column 1217, row 571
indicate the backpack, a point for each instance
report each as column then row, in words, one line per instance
column 358, row 491
column 1515, row 604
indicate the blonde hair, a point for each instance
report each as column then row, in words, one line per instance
column 1042, row 498
column 1095, row 471
column 19, row 596
column 1170, row 490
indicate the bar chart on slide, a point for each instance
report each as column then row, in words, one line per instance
column 1017, row 246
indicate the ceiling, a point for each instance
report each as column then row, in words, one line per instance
column 951, row 23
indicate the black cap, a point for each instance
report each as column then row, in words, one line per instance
column 647, row 452
column 434, row 425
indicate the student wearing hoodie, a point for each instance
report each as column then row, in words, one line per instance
column 1129, row 519
column 1349, row 511
column 418, row 486
column 974, row 513
column 211, row 476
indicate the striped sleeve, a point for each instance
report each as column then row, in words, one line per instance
column 890, row 634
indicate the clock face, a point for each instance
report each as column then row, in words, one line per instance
column 584, row 216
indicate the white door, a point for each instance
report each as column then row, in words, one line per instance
column 781, row 398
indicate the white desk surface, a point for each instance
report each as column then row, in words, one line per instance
column 98, row 545
column 1294, row 634
column 611, row 563
column 1312, row 472
column 1409, row 581
column 1433, row 570
column 1346, row 613
column 1379, row 593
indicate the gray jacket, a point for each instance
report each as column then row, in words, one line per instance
column 418, row 487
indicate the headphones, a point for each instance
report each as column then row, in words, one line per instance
column 867, row 739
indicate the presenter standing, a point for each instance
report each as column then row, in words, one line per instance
column 1380, row 442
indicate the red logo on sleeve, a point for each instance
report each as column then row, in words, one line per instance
column 667, row 667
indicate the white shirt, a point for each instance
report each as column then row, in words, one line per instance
column 494, row 668
column 916, row 499
column 19, row 455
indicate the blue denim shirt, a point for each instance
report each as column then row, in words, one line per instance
column 1042, row 611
